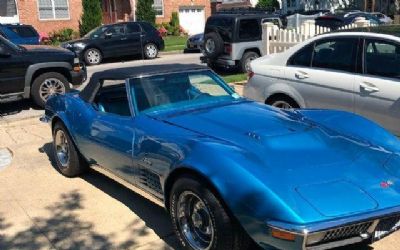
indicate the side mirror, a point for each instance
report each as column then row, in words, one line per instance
column 107, row 35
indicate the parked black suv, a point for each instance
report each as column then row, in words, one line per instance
column 36, row 71
column 118, row 39
column 234, row 39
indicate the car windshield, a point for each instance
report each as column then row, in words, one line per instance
column 10, row 44
column 176, row 91
column 96, row 32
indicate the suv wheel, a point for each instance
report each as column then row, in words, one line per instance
column 213, row 45
column 150, row 51
column 246, row 60
column 93, row 56
column 48, row 84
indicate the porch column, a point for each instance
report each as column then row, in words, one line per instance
column 133, row 9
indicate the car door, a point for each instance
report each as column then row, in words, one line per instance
column 134, row 35
column 323, row 73
column 106, row 139
column 378, row 89
column 114, row 41
column 13, row 67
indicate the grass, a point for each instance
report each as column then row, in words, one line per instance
column 235, row 78
column 175, row 43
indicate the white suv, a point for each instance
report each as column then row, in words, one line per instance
column 353, row 71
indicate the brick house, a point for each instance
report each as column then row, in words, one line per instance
column 45, row 15
column 192, row 13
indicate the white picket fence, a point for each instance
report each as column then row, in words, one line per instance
column 277, row 40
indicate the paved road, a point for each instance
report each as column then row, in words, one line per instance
column 24, row 109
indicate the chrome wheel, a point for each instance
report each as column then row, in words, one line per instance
column 61, row 147
column 195, row 221
column 50, row 87
column 282, row 105
column 151, row 51
column 93, row 56
column 210, row 46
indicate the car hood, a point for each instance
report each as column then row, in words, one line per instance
column 45, row 49
column 300, row 160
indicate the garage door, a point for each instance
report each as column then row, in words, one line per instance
column 192, row 19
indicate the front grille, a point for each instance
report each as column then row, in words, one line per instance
column 346, row 232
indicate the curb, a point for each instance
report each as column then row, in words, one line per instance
column 174, row 52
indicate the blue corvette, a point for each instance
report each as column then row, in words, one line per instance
column 230, row 171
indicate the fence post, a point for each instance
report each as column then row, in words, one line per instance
column 266, row 35
column 309, row 28
column 361, row 22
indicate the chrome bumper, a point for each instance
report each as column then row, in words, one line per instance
column 44, row 118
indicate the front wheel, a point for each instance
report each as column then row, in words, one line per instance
column 48, row 84
column 150, row 51
column 200, row 220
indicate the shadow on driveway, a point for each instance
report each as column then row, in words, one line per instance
column 155, row 217
column 12, row 108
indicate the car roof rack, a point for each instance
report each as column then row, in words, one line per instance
column 244, row 11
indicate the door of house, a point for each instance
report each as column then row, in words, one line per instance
column 192, row 19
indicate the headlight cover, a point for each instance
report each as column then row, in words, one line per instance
column 79, row 45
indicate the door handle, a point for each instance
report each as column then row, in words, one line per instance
column 301, row 75
column 124, row 38
column 369, row 87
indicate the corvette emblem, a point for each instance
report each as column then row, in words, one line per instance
column 386, row 184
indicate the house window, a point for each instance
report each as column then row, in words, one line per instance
column 8, row 8
column 53, row 9
column 159, row 7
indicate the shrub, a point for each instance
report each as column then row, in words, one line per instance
column 163, row 31
column 145, row 11
column 268, row 4
column 62, row 35
column 91, row 17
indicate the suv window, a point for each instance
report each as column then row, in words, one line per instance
column 224, row 25
column 302, row 57
column 23, row 31
column 147, row 27
column 116, row 30
column 249, row 29
column 382, row 58
column 133, row 28
column 338, row 54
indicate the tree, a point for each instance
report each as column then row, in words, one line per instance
column 268, row 4
column 145, row 11
column 91, row 17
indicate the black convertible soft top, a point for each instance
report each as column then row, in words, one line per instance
column 89, row 92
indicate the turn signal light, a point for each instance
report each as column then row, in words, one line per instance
column 283, row 235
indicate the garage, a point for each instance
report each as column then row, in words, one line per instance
column 192, row 19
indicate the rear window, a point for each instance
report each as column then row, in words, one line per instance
column 147, row 27
column 224, row 25
column 249, row 29
column 23, row 31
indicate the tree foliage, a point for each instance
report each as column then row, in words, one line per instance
column 91, row 17
column 268, row 4
column 145, row 11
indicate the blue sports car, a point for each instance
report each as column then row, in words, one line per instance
column 230, row 171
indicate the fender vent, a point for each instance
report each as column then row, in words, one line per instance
column 150, row 180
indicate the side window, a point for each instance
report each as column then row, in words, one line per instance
column 116, row 30
column 337, row 54
column 133, row 28
column 249, row 29
column 302, row 57
column 112, row 98
column 382, row 58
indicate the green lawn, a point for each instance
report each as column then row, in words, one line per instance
column 175, row 43
column 235, row 78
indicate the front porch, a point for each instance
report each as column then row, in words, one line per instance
column 118, row 11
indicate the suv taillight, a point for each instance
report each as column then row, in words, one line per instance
column 228, row 48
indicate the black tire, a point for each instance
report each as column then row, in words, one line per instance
column 227, row 234
column 76, row 164
column 92, row 56
column 150, row 51
column 213, row 45
column 41, row 84
column 279, row 101
column 246, row 60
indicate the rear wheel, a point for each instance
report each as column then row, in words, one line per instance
column 200, row 220
column 48, row 84
column 150, row 51
column 69, row 161
column 282, row 102
column 246, row 60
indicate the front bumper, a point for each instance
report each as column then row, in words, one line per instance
column 367, row 227
column 78, row 77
